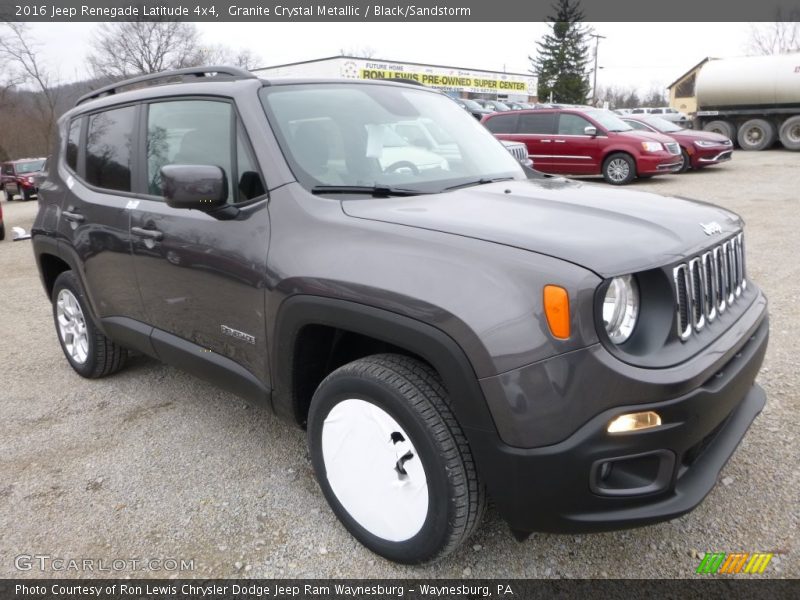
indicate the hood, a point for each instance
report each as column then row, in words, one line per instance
column 708, row 136
column 602, row 228
column 644, row 136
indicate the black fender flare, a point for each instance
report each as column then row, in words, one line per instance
column 422, row 339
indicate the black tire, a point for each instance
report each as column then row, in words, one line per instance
column 725, row 128
column 790, row 133
column 26, row 194
column 687, row 162
column 7, row 196
column 756, row 134
column 614, row 171
column 103, row 357
column 410, row 393
column 2, row 231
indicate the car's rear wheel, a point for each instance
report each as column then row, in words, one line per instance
column 2, row 231
column 756, row 134
column 6, row 196
column 392, row 460
column 619, row 169
column 88, row 351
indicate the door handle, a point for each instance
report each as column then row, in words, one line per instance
column 152, row 234
column 74, row 217
column 546, row 141
column 561, row 141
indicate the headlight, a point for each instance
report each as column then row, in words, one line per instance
column 621, row 308
column 652, row 146
column 705, row 144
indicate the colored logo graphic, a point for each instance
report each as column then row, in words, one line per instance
column 735, row 562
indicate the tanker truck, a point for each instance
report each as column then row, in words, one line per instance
column 753, row 100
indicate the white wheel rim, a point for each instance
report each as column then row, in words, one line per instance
column 72, row 326
column 362, row 448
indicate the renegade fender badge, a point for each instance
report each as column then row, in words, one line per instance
column 711, row 228
column 239, row 335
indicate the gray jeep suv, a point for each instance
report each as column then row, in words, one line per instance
column 448, row 328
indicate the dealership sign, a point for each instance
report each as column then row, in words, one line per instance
column 443, row 78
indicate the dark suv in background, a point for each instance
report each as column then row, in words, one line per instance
column 576, row 141
column 19, row 177
column 448, row 327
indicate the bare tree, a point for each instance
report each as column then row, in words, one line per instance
column 17, row 49
column 223, row 55
column 360, row 52
column 780, row 37
column 120, row 50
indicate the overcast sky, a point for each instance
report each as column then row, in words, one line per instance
column 644, row 55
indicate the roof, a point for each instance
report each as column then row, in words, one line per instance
column 386, row 60
column 694, row 68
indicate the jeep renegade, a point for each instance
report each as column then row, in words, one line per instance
column 448, row 328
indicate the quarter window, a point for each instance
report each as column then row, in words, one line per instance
column 108, row 148
column 502, row 124
column 73, row 138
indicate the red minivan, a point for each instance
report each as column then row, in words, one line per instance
column 587, row 141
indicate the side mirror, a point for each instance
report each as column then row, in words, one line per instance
column 589, row 130
column 202, row 187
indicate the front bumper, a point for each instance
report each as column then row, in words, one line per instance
column 656, row 474
column 657, row 162
column 712, row 157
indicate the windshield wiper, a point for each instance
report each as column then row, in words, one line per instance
column 482, row 181
column 378, row 191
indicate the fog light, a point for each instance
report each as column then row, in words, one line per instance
column 605, row 471
column 634, row 422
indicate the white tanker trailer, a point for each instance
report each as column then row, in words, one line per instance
column 753, row 100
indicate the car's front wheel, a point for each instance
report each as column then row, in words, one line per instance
column 88, row 351
column 686, row 161
column 619, row 169
column 392, row 460
column 6, row 196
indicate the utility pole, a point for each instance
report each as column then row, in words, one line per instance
column 597, row 39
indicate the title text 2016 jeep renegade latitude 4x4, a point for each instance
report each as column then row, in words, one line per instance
column 446, row 330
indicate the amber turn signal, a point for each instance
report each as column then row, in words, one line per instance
column 556, row 307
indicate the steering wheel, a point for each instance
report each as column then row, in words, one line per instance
column 402, row 164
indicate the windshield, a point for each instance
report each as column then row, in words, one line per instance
column 662, row 124
column 30, row 167
column 364, row 135
column 609, row 120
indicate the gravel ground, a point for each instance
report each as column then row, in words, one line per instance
column 152, row 463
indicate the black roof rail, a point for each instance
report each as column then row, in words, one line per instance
column 403, row 80
column 197, row 72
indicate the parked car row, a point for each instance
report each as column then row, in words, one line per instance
column 22, row 177
column 665, row 112
column 590, row 141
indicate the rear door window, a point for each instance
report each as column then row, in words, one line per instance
column 537, row 123
column 108, row 148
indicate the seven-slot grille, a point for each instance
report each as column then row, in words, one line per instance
column 518, row 151
column 673, row 148
column 708, row 284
